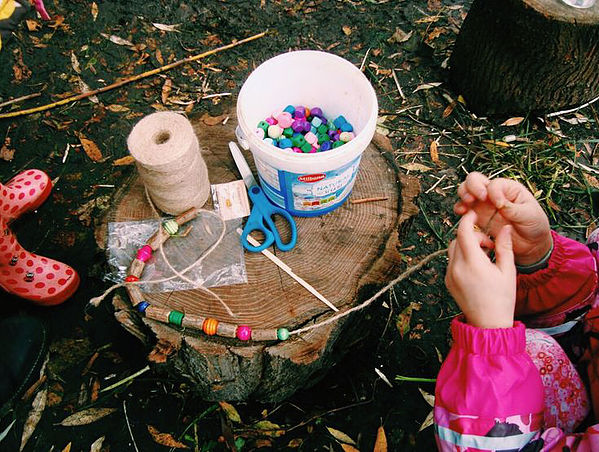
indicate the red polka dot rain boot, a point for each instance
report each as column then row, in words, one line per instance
column 44, row 281
column 23, row 193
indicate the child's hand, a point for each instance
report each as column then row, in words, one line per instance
column 486, row 292
column 501, row 201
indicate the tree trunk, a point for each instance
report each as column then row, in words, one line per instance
column 520, row 56
column 340, row 254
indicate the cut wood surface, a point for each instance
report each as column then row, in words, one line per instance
column 520, row 56
column 338, row 253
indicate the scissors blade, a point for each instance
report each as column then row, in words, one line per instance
column 242, row 165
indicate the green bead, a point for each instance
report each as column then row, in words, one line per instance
column 175, row 317
column 264, row 126
column 306, row 147
column 331, row 125
column 283, row 334
column 322, row 128
column 171, row 226
column 336, row 144
column 298, row 141
column 288, row 132
column 322, row 137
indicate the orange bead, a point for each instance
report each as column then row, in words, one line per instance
column 209, row 326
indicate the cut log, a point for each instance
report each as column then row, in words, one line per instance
column 339, row 254
column 520, row 56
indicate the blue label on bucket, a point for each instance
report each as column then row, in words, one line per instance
column 307, row 194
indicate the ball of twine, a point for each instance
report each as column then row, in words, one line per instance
column 169, row 161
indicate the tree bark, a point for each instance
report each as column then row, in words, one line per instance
column 520, row 56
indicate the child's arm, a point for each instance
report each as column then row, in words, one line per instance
column 489, row 396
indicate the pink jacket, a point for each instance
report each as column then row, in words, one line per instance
column 489, row 394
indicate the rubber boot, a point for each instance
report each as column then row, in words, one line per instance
column 23, row 193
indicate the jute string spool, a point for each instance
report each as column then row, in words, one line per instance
column 168, row 159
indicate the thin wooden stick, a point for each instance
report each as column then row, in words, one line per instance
column 132, row 79
column 363, row 200
column 288, row 270
column 19, row 99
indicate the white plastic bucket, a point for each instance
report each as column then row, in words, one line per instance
column 307, row 184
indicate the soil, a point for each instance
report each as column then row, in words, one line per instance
column 406, row 334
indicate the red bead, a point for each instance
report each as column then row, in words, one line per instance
column 131, row 278
column 244, row 333
column 144, row 253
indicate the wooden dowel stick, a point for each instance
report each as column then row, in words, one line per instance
column 288, row 270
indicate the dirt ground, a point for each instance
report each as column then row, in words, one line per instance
column 91, row 44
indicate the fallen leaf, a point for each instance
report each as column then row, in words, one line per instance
column 6, row 153
column 212, row 120
column 380, row 445
column 91, row 149
column 263, row 442
column 189, row 108
column 75, row 63
column 37, row 408
column 55, row 395
column 67, row 448
column 382, row 142
column 117, row 40
column 425, row 86
column 295, row 443
column 399, row 36
column 166, row 90
column 165, row 27
column 231, row 412
column 492, row 144
column 403, row 320
column 383, row 376
column 349, row 448
column 159, row 57
column 85, row 417
column 553, row 205
column 428, row 421
column 128, row 160
column 439, row 356
column 94, row 391
column 7, row 429
column 415, row 167
column 346, row 30
column 116, row 108
column 429, row 398
column 269, row 428
column 434, row 152
column 84, row 88
column 33, row 25
column 591, row 180
column 513, row 121
column 449, row 109
column 94, row 10
column 437, row 31
column 340, row 436
column 165, row 439
column 20, row 70
column 58, row 22
column 97, row 445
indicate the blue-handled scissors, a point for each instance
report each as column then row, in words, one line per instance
column 262, row 211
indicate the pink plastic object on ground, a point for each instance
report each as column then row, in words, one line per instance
column 40, row 8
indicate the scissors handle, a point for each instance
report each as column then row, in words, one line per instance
column 261, row 220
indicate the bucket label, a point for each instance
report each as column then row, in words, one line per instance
column 312, row 192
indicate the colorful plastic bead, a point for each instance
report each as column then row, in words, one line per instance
column 306, row 112
column 259, row 133
column 345, row 136
column 299, row 113
column 284, row 119
column 297, row 125
column 306, row 147
column 311, row 138
column 141, row 307
column 271, row 121
column 322, row 128
column 131, row 278
column 298, row 150
column 269, row 141
column 175, row 317
column 298, row 140
column 285, row 143
column 316, row 122
column 289, row 109
column 314, row 130
column 144, row 253
column 339, row 121
column 209, row 326
column 322, row 137
column 263, row 125
column 275, row 131
column 171, row 227
column 244, row 333
column 336, row 144
column 283, row 334
column 316, row 111
column 288, row 132
column 275, row 114
column 347, row 127
column 325, row 146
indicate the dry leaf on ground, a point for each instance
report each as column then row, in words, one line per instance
column 94, row 10
column 97, row 445
column 116, row 108
column 165, row 439
column 6, row 153
column 212, row 120
column 426, row 86
column 513, row 121
column 165, row 27
column 340, row 436
column 75, row 63
column 91, row 149
column 269, row 428
column 434, row 152
column 427, row 422
column 33, row 25
column 346, row 30
column 380, row 444
column 429, row 398
column 415, row 167
column 166, row 90
column 127, row 160
column 37, row 408
column 117, row 40
column 86, row 416
column 67, row 448
column 349, row 448
column 231, row 412
column 399, row 36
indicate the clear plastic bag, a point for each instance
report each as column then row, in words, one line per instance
column 225, row 265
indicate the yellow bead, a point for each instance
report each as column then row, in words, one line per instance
column 209, row 327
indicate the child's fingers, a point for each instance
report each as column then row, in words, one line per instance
column 504, row 251
column 468, row 241
column 475, row 185
column 504, row 191
column 460, row 208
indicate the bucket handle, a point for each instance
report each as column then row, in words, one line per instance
column 241, row 139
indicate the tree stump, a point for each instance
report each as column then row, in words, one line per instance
column 339, row 254
column 519, row 56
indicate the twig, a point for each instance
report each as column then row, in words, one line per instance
column 210, row 96
column 361, row 66
column 397, row 84
column 435, row 184
column 415, row 379
column 363, row 200
column 126, row 380
column 132, row 79
column 129, row 426
column 572, row 110
column 19, row 99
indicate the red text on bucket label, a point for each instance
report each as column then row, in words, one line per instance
column 311, row 178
